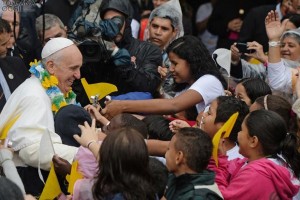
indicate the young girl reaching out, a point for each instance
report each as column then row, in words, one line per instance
column 197, row 82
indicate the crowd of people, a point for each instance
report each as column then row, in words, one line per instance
column 155, row 136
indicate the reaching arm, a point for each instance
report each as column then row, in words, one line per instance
column 157, row 147
column 89, row 138
column 184, row 101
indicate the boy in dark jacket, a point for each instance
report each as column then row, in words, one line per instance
column 187, row 158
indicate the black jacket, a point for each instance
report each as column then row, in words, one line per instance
column 14, row 71
column 253, row 28
column 138, row 76
column 226, row 10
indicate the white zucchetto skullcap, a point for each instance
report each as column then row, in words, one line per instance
column 54, row 45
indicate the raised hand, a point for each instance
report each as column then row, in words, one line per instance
column 274, row 27
column 88, row 134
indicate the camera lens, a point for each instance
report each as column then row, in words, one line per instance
column 91, row 51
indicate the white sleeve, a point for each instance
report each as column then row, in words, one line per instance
column 209, row 87
column 279, row 77
column 30, row 155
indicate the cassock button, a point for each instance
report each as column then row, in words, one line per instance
column 10, row 76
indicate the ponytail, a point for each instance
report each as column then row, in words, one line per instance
column 289, row 150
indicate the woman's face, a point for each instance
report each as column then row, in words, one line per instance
column 180, row 69
column 290, row 49
column 240, row 93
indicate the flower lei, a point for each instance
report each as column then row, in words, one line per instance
column 50, row 83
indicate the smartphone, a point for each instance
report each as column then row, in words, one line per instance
column 243, row 48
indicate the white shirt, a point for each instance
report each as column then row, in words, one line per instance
column 234, row 153
column 209, row 87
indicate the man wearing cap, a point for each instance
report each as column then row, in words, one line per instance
column 34, row 104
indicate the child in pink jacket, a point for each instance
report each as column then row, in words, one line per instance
column 270, row 169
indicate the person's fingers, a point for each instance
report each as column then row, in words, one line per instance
column 77, row 138
column 86, row 124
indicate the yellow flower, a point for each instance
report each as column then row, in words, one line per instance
column 46, row 83
column 62, row 104
column 54, row 108
column 35, row 62
column 53, row 81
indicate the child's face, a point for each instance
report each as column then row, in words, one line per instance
column 241, row 94
column 244, row 140
column 208, row 120
column 180, row 69
column 171, row 156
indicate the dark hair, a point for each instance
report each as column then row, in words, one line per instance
column 158, row 127
column 9, row 190
column 159, row 173
column 277, row 104
column 128, row 120
column 293, row 18
column 191, row 49
column 271, row 131
column 4, row 26
column 123, row 167
column 227, row 106
column 255, row 88
column 196, row 146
